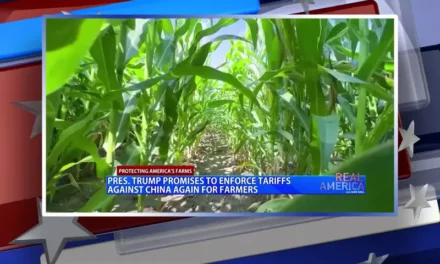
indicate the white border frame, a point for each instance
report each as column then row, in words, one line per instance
column 274, row 16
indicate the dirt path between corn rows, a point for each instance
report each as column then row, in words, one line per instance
column 215, row 158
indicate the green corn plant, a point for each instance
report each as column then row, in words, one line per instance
column 288, row 96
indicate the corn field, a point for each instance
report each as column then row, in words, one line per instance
column 229, row 96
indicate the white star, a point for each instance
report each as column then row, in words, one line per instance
column 418, row 200
column 33, row 107
column 408, row 139
column 53, row 233
column 372, row 259
column 305, row 4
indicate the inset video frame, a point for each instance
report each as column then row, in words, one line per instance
column 266, row 107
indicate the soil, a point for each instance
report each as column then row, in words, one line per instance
column 214, row 157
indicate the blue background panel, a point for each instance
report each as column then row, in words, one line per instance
column 407, row 246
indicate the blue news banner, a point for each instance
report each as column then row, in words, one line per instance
column 247, row 185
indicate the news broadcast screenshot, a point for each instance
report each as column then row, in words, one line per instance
column 231, row 116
